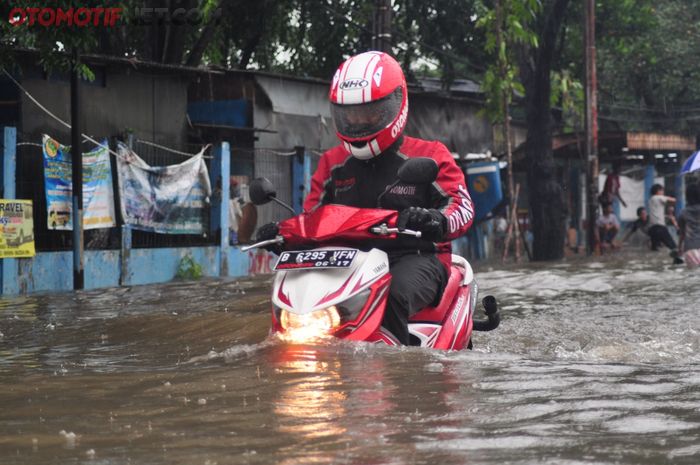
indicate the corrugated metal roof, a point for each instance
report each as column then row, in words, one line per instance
column 296, row 97
column 655, row 141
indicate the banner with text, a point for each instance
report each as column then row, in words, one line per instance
column 98, row 194
column 16, row 229
column 164, row 199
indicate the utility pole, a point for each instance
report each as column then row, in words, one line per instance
column 591, row 125
column 77, row 174
column 381, row 28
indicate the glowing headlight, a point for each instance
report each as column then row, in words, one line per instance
column 310, row 325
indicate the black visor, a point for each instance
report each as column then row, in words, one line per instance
column 365, row 119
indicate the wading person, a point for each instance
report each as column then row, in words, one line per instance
column 611, row 189
column 689, row 226
column 607, row 227
column 658, row 231
column 369, row 104
column 640, row 224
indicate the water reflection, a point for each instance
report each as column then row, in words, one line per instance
column 312, row 398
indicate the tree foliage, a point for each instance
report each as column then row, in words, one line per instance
column 648, row 64
column 506, row 26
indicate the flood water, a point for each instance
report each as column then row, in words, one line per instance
column 596, row 362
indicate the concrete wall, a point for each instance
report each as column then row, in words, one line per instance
column 153, row 106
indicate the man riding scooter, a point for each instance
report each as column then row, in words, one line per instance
column 369, row 104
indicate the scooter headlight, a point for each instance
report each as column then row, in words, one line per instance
column 318, row 324
column 310, row 325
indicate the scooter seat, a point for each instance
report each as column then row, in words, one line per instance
column 437, row 314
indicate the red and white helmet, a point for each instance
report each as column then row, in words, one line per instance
column 369, row 103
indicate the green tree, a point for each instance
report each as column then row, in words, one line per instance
column 647, row 64
column 548, row 210
column 506, row 27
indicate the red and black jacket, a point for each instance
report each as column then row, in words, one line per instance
column 343, row 179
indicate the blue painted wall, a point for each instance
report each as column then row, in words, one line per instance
column 53, row 271
column 224, row 112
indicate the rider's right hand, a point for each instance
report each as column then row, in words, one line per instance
column 267, row 231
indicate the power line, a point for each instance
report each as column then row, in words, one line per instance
column 85, row 136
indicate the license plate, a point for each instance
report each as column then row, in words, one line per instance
column 315, row 259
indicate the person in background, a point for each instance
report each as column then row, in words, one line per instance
column 657, row 235
column 658, row 232
column 611, row 189
column 671, row 217
column 572, row 243
column 640, row 224
column 689, row 227
column 500, row 229
column 607, row 226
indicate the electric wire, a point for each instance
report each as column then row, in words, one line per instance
column 85, row 136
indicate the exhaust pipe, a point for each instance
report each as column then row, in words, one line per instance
column 491, row 310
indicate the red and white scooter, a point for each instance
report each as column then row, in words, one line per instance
column 328, row 286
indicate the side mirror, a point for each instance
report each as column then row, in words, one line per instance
column 421, row 170
column 261, row 191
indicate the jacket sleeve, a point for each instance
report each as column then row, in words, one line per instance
column 450, row 194
column 320, row 186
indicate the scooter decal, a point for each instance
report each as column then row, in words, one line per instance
column 332, row 295
column 458, row 311
column 427, row 333
column 377, row 301
column 284, row 298
column 361, row 284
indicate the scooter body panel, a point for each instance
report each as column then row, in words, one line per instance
column 358, row 294
column 305, row 291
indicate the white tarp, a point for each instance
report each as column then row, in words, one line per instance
column 164, row 199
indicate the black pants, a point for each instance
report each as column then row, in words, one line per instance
column 417, row 281
column 659, row 235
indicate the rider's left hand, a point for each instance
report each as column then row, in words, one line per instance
column 430, row 222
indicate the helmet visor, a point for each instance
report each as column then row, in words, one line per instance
column 362, row 120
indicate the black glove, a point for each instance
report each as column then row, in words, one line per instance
column 430, row 222
column 266, row 232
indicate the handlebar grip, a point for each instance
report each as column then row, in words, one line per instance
column 384, row 231
column 276, row 240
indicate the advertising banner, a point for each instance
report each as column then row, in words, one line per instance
column 98, row 194
column 169, row 199
column 16, row 229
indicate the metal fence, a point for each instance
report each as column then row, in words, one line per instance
column 274, row 164
column 30, row 185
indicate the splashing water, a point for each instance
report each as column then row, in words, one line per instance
column 594, row 363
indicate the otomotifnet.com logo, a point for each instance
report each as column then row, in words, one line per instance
column 107, row 16
column 52, row 16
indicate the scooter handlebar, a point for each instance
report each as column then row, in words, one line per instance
column 384, row 230
column 276, row 240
